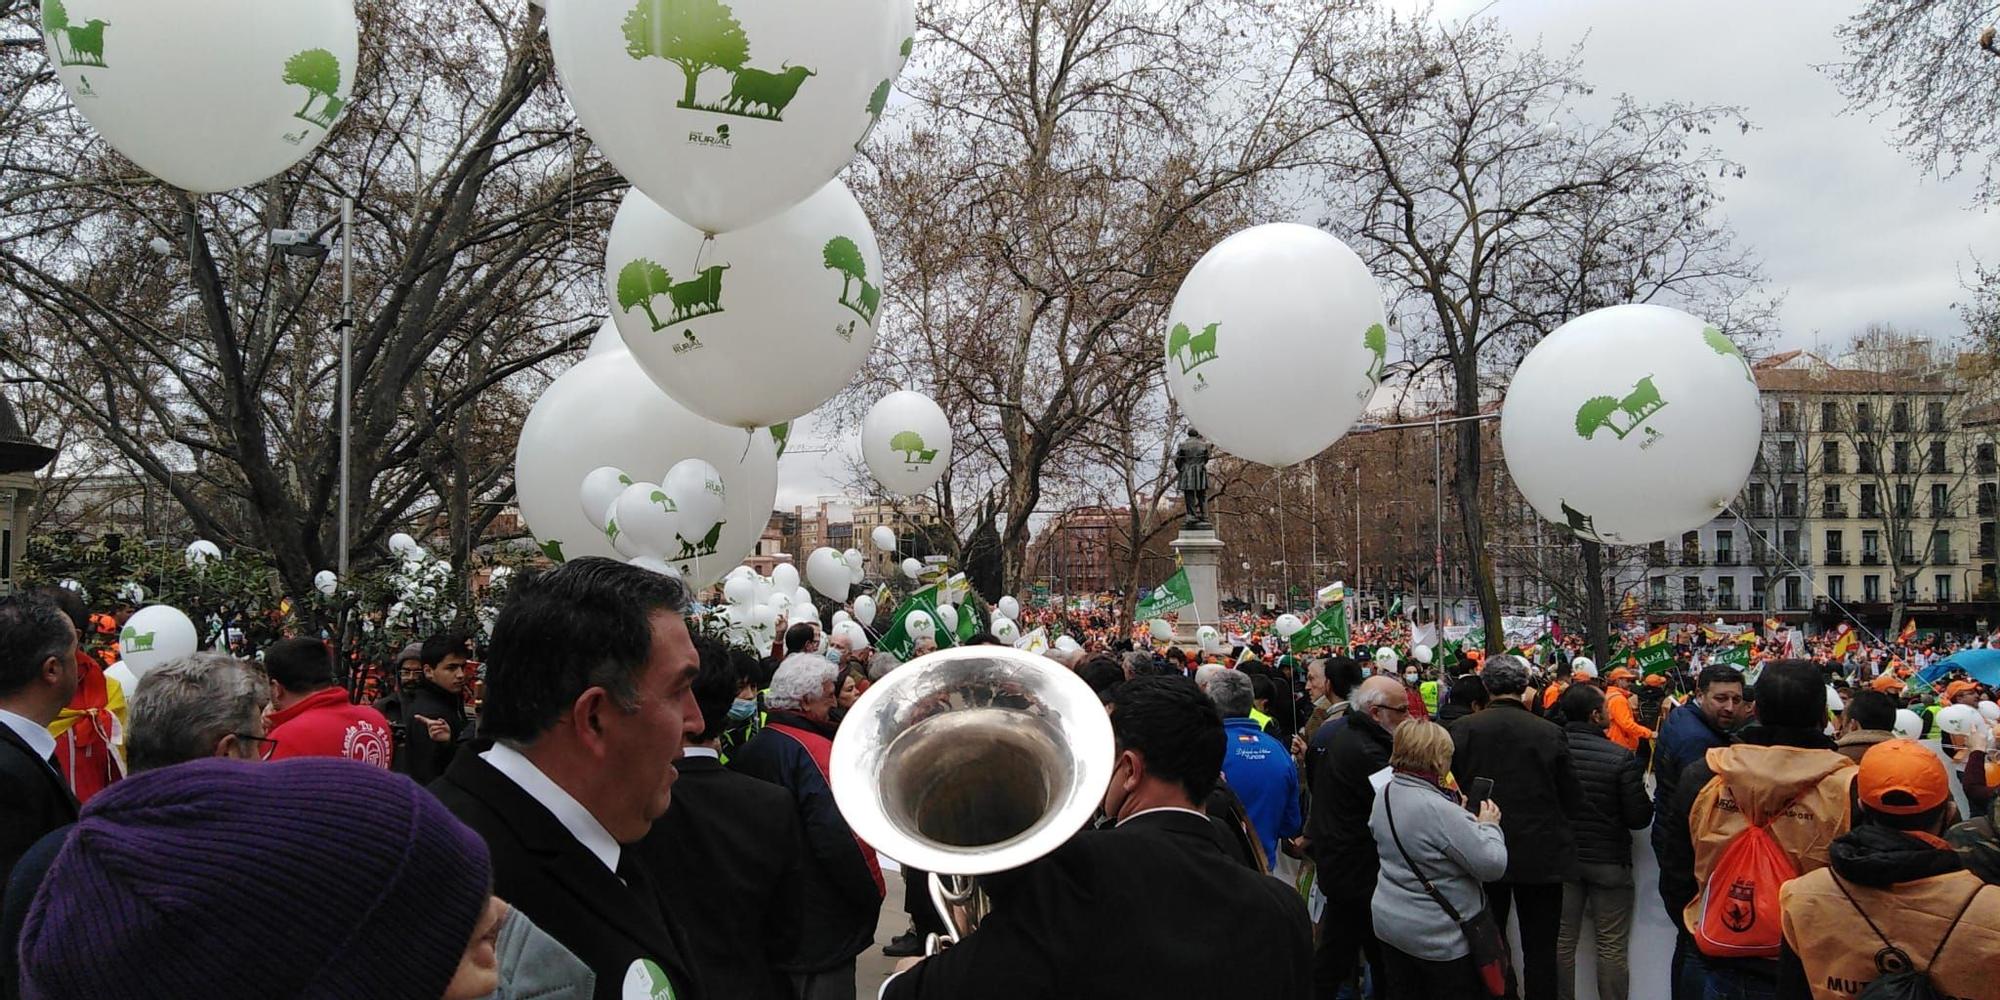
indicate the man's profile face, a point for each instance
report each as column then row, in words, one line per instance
column 1723, row 703
column 646, row 742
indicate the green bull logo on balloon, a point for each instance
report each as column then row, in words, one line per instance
column 703, row 546
column 74, row 44
column 133, row 641
column 1192, row 350
column 911, row 444
column 1621, row 416
column 642, row 281
column 700, row 35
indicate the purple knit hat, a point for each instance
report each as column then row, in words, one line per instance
column 313, row 878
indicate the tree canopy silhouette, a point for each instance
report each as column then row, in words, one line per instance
column 692, row 34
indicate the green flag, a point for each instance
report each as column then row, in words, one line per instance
column 899, row 642
column 1328, row 628
column 1656, row 658
column 1172, row 595
column 1736, row 654
column 1395, row 607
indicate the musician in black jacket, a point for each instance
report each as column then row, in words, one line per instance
column 589, row 696
column 37, row 678
column 1107, row 915
column 726, row 856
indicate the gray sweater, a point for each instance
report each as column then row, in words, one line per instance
column 1455, row 851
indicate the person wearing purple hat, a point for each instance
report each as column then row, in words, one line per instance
column 307, row 878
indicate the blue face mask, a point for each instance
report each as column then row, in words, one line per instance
column 741, row 709
column 832, row 654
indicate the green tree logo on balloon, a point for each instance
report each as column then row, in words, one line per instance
column 1603, row 412
column 1723, row 345
column 611, row 530
column 134, row 641
column 877, row 103
column 911, row 444
column 553, row 549
column 700, row 35
column 319, row 72
column 1192, row 350
column 641, row 280
column 1377, row 342
column 780, row 434
column 85, row 41
column 840, row 254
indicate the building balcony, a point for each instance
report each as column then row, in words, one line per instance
column 1760, row 510
column 1984, row 506
column 1944, row 557
column 1725, row 602
column 1987, row 467
column 1691, row 557
column 1985, row 550
column 1941, row 511
column 1871, row 558
column 1797, row 557
column 1835, row 557
column 1867, row 511
column 1833, row 510
column 1725, row 557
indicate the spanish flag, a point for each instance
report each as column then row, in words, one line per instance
column 1656, row 637
column 1909, row 632
column 1845, row 644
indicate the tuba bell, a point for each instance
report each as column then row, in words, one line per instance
column 969, row 761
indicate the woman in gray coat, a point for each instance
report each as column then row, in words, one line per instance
column 1425, row 955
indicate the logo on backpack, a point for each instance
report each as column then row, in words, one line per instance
column 1739, row 912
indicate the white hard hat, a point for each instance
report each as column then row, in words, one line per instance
column 1583, row 666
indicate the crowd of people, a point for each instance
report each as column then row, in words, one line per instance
column 608, row 799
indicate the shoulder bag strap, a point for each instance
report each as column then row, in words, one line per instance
column 1942, row 938
column 1389, row 809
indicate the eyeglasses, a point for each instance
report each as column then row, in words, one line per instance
column 266, row 746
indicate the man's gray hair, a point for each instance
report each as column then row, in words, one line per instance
column 1505, row 674
column 880, row 665
column 184, row 706
column 1138, row 663
column 1206, row 673
column 802, row 676
column 1233, row 694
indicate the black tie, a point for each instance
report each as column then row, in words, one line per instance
column 641, row 883
column 53, row 766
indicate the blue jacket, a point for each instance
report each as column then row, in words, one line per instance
column 1260, row 771
column 1685, row 737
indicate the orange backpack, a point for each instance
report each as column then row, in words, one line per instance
column 1739, row 904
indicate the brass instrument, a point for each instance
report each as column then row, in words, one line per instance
column 969, row 761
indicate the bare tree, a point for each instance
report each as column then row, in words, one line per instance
column 1061, row 166
column 1931, row 65
column 1498, row 206
column 211, row 370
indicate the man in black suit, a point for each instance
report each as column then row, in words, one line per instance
column 37, row 678
column 1108, row 914
column 726, row 856
column 588, row 699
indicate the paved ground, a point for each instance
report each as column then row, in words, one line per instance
column 1651, row 946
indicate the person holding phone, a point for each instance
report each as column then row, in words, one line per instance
column 1424, row 834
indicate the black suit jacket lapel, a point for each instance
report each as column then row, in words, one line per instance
column 41, row 763
column 572, row 867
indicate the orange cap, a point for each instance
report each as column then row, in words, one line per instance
column 1620, row 674
column 1902, row 778
column 1887, row 684
column 1652, row 680
column 1956, row 688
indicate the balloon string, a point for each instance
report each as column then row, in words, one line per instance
column 749, row 439
column 702, row 251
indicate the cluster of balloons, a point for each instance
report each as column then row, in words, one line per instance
column 758, row 606
column 1627, row 425
column 670, row 526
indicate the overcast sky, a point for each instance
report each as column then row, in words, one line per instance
column 1850, row 232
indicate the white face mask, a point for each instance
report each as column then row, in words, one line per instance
column 1411, row 678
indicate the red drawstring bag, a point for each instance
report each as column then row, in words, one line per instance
column 1739, row 905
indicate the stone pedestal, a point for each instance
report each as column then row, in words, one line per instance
column 1201, row 554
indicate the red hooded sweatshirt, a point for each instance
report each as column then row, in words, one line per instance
column 324, row 724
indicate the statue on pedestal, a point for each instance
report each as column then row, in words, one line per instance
column 1192, row 462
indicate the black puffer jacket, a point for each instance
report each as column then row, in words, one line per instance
column 1614, row 784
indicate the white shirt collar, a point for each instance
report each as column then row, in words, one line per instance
column 709, row 752
column 1162, row 809
column 36, row 737
column 566, row 809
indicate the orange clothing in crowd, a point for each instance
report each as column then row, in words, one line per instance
column 1551, row 693
column 1625, row 730
column 87, row 729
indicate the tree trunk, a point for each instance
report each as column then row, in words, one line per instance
column 1594, row 611
column 1465, row 488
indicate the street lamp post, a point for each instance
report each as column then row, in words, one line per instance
column 297, row 243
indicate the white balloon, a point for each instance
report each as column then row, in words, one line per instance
column 785, row 577
column 827, row 571
column 883, row 537
column 1989, row 711
column 1209, row 638
column 783, row 602
column 912, row 568
column 647, row 520
column 1160, row 628
column 605, row 340
column 657, row 565
column 1631, row 424
column 1006, row 631
column 1008, row 607
column 132, row 593
column 328, row 584
column 752, row 327
column 802, row 597
column 600, row 489
column 856, row 636
column 857, row 568
column 948, row 617
column 201, row 552
column 1286, row 624
column 152, row 636
column 207, row 95
column 738, row 590
column 1422, row 653
column 764, row 616
column 126, row 679
column 920, row 625
column 906, row 441
column 864, row 609
column 803, row 613
column 1909, row 725
column 615, row 536
column 401, row 544
column 728, row 113
column 1959, row 720
column 696, row 489
column 841, row 615
column 1834, row 704
column 1068, row 644
column 604, row 411
column 1275, row 342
